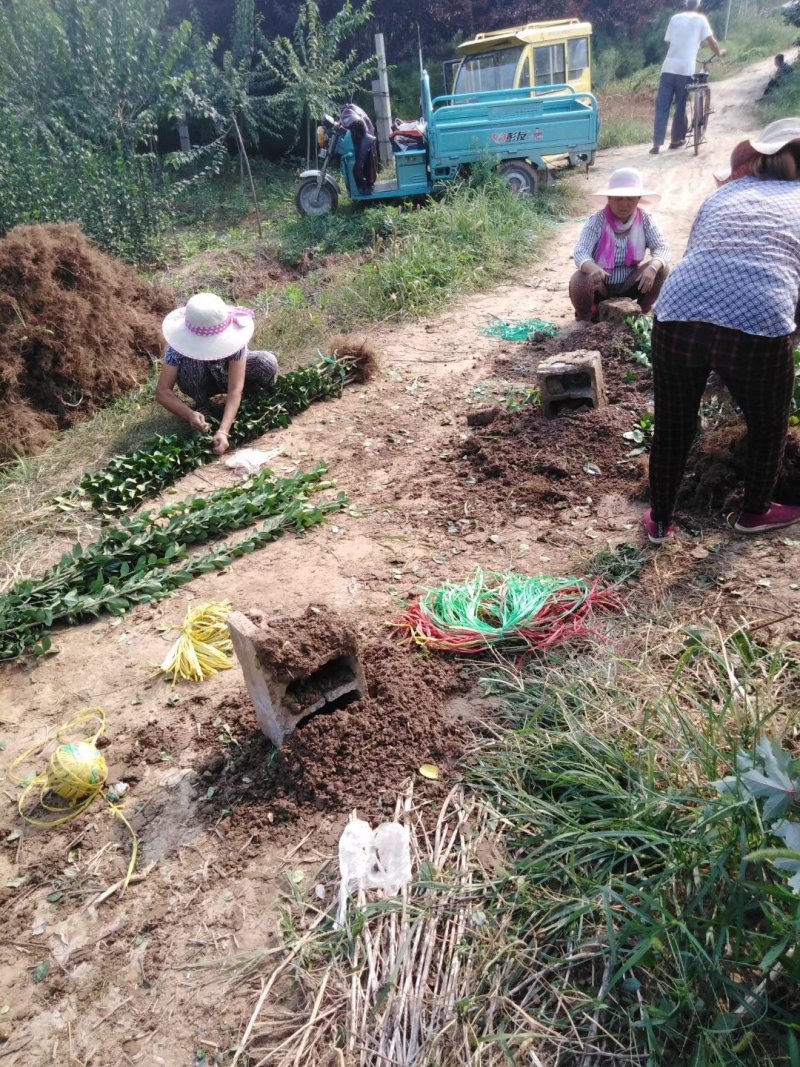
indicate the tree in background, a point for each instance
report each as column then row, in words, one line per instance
column 81, row 142
column 307, row 70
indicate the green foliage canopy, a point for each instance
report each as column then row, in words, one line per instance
column 308, row 70
column 80, row 144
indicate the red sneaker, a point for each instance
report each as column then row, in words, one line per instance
column 779, row 515
column 658, row 532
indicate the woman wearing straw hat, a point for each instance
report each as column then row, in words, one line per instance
column 610, row 253
column 730, row 306
column 207, row 354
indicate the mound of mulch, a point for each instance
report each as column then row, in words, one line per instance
column 356, row 758
column 77, row 329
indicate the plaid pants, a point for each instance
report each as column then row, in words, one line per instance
column 758, row 371
column 584, row 294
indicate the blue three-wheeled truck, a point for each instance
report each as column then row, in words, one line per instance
column 520, row 128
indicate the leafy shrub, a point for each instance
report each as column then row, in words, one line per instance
column 113, row 198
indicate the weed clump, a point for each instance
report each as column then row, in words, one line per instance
column 77, row 329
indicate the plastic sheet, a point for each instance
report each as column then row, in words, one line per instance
column 377, row 859
column 250, row 460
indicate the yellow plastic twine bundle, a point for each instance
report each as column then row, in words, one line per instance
column 204, row 647
column 76, row 774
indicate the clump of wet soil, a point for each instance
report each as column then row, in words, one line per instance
column 358, row 757
column 77, row 328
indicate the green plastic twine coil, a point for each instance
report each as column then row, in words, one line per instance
column 517, row 611
column 522, row 330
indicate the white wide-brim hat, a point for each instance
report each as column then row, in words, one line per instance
column 208, row 328
column 627, row 181
column 776, row 136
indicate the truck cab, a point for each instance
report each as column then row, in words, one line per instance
column 536, row 55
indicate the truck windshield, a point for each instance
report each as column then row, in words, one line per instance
column 488, row 71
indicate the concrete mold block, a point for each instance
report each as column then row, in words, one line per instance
column 296, row 668
column 570, row 381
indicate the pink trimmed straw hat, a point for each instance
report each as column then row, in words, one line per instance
column 627, row 181
column 208, row 328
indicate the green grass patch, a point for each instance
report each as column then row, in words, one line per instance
column 628, row 872
column 475, row 234
column 782, row 102
column 617, row 132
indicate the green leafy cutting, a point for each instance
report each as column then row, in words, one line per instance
column 642, row 327
column 770, row 777
column 135, row 476
column 144, row 559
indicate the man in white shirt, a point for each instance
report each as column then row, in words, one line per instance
column 685, row 33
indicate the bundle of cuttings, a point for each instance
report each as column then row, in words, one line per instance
column 515, row 613
column 521, row 330
column 76, row 774
column 204, row 647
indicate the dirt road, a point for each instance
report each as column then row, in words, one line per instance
column 417, row 515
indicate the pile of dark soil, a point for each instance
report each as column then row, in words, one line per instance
column 545, row 461
column 77, row 328
column 356, row 758
column 715, row 470
column 550, row 461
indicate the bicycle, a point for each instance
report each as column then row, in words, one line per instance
column 698, row 106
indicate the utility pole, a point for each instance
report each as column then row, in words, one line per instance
column 383, row 105
column 727, row 20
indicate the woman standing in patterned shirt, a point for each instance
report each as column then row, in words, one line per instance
column 729, row 306
column 610, row 253
column 207, row 354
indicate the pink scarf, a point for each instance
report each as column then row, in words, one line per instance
column 606, row 253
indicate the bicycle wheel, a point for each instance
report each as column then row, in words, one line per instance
column 706, row 109
column 689, row 121
column 698, row 125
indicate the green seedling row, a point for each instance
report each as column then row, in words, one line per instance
column 135, row 476
column 143, row 560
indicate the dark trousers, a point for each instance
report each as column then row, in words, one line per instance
column 758, row 371
column 584, row 294
column 671, row 87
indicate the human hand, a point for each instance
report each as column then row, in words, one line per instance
column 648, row 277
column 597, row 275
column 219, row 442
column 197, row 421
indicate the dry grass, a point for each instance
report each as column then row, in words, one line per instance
column 34, row 531
column 399, row 985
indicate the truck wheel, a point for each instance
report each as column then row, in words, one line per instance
column 310, row 202
column 520, row 177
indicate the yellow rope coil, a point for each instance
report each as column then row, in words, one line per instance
column 204, row 647
column 76, row 773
